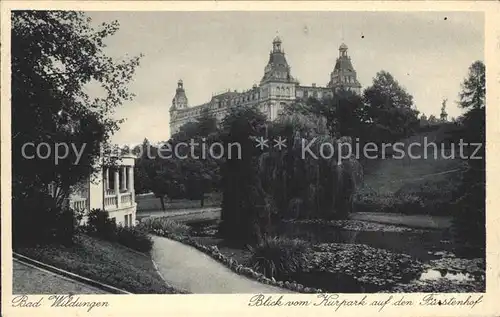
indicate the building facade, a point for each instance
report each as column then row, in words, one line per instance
column 277, row 89
column 111, row 190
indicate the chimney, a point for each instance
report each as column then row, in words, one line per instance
column 314, row 84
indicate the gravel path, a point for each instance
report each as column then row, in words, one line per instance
column 187, row 268
column 31, row 280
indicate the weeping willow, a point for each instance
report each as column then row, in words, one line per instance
column 265, row 186
column 308, row 186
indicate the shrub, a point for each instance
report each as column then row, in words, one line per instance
column 427, row 197
column 168, row 225
column 99, row 224
column 134, row 238
column 279, row 257
column 36, row 218
column 368, row 200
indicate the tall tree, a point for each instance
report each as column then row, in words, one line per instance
column 344, row 113
column 470, row 220
column 246, row 210
column 56, row 56
column 144, row 167
column 201, row 170
column 473, row 92
column 390, row 109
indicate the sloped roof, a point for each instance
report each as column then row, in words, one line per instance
column 344, row 63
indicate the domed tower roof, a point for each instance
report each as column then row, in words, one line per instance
column 180, row 100
column 277, row 68
column 343, row 74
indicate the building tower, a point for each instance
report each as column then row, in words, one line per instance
column 343, row 75
column 277, row 69
column 277, row 86
column 179, row 102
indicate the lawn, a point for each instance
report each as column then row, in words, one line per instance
column 424, row 185
column 106, row 262
column 391, row 174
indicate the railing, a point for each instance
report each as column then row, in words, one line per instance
column 110, row 192
column 126, row 198
column 111, row 201
column 78, row 204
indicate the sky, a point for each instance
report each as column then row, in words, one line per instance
column 428, row 53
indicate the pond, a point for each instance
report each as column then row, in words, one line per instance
column 422, row 245
column 432, row 274
column 419, row 244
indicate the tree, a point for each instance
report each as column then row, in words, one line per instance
column 167, row 180
column 433, row 120
column 55, row 56
column 470, row 220
column 185, row 172
column 311, row 185
column 473, row 92
column 390, row 110
column 343, row 113
column 246, row 211
column 202, row 172
column 144, row 167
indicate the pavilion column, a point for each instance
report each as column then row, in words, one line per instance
column 123, row 185
column 117, row 186
column 105, row 180
column 130, row 179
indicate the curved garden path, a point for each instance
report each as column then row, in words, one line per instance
column 187, row 268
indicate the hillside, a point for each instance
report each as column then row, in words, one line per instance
column 413, row 185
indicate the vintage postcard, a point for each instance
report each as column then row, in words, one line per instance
column 251, row 158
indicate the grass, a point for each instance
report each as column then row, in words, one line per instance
column 106, row 262
column 387, row 176
column 424, row 185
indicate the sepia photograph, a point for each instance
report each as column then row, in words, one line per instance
column 246, row 152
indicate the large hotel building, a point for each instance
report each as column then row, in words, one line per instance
column 277, row 89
